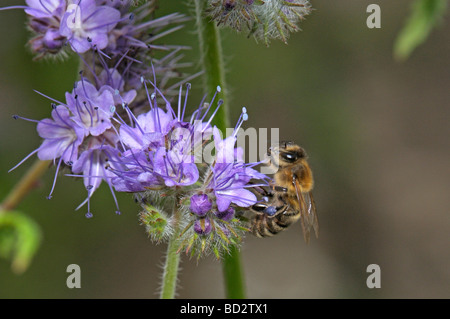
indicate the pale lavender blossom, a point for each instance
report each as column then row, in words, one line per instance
column 87, row 26
column 44, row 19
column 82, row 135
column 62, row 136
column 230, row 175
column 92, row 109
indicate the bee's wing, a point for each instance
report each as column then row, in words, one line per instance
column 312, row 215
column 308, row 216
column 302, row 207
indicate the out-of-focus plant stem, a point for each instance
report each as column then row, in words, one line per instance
column 25, row 185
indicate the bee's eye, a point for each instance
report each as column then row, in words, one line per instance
column 289, row 157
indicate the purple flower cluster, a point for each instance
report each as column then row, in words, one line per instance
column 156, row 154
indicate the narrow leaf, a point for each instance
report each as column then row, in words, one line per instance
column 425, row 15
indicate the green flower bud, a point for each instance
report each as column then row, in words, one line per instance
column 263, row 19
column 156, row 222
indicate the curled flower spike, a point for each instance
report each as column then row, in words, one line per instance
column 263, row 19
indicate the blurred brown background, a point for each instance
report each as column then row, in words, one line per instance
column 376, row 130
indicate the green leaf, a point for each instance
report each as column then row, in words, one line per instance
column 19, row 239
column 425, row 15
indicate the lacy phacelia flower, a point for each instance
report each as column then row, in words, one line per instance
column 62, row 136
column 262, row 19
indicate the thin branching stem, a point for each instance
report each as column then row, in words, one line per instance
column 26, row 184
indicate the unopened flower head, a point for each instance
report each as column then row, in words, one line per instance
column 263, row 19
column 200, row 204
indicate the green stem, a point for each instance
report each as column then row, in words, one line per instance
column 213, row 65
column 212, row 62
column 171, row 266
column 233, row 275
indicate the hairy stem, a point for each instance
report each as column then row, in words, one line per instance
column 213, row 65
column 212, row 62
column 25, row 185
column 171, row 266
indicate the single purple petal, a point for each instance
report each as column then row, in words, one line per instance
column 45, row 8
column 61, row 135
column 222, row 202
column 225, row 151
column 124, row 185
column 52, row 40
column 156, row 120
column 89, row 163
column 241, row 197
column 86, row 25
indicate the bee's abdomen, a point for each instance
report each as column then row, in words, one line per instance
column 264, row 225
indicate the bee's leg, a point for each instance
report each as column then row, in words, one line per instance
column 267, row 209
column 276, row 188
column 262, row 190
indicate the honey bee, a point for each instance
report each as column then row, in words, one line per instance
column 290, row 198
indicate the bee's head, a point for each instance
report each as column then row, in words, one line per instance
column 285, row 154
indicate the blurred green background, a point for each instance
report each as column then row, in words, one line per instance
column 376, row 130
